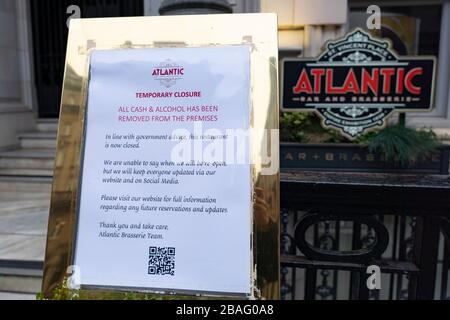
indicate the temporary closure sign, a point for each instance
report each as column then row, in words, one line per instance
column 160, row 208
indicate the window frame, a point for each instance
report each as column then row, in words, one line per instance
column 439, row 117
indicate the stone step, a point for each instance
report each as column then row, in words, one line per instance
column 20, row 276
column 22, row 160
column 9, row 296
column 38, row 140
column 17, row 183
column 25, row 173
column 15, row 281
column 47, row 125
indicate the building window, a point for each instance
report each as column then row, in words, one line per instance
column 413, row 30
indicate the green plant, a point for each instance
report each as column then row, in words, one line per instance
column 396, row 143
column 305, row 127
column 62, row 292
column 402, row 144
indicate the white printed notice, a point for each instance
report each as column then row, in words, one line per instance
column 162, row 207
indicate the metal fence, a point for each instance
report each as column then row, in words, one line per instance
column 333, row 228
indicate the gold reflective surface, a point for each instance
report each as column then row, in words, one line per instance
column 257, row 30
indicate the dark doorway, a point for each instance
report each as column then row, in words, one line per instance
column 50, row 39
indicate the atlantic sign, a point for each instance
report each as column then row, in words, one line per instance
column 357, row 83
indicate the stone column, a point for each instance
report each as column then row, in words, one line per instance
column 15, row 75
column 180, row 7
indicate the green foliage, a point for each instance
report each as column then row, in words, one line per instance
column 396, row 142
column 402, row 144
column 62, row 292
column 305, row 127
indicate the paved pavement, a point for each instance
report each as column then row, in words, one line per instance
column 23, row 224
column 16, row 296
column 24, row 208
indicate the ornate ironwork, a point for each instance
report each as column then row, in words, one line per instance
column 325, row 290
column 326, row 242
column 372, row 250
column 287, row 246
column 379, row 208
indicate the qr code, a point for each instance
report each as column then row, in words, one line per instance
column 161, row 261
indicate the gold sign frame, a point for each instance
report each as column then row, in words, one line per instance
column 259, row 31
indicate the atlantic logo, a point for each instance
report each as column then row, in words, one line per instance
column 168, row 73
column 357, row 83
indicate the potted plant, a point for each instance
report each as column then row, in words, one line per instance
column 395, row 148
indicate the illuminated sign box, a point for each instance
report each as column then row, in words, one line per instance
column 357, row 82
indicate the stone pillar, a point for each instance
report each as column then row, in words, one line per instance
column 9, row 63
column 16, row 113
column 180, row 7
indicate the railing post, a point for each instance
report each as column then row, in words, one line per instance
column 428, row 241
column 355, row 277
column 310, row 284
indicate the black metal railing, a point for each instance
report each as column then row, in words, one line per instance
column 335, row 225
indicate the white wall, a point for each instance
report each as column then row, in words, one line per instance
column 306, row 25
